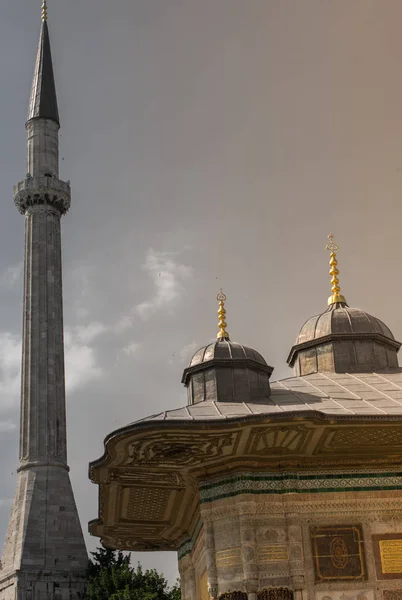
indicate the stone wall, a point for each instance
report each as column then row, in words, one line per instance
column 321, row 545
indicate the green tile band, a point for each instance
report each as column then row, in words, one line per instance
column 298, row 484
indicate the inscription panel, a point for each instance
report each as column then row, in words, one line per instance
column 388, row 555
column 391, row 556
column 338, row 553
column 273, row 553
column 228, row 558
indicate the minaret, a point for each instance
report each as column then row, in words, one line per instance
column 44, row 555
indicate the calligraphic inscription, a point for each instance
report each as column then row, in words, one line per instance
column 387, row 549
column 338, row 553
column 274, row 553
column 228, row 558
column 391, row 556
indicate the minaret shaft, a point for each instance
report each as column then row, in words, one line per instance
column 43, row 418
column 43, row 148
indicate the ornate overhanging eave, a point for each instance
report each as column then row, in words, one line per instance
column 150, row 472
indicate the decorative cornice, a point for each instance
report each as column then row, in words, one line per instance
column 308, row 416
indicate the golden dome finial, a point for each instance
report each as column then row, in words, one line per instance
column 336, row 296
column 44, row 10
column 222, row 334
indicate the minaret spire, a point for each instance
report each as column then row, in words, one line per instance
column 44, row 549
column 43, row 102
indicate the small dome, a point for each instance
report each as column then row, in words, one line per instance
column 341, row 319
column 343, row 340
column 227, row 372
column 225, row 349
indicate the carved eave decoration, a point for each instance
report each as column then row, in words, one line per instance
column 148, row 476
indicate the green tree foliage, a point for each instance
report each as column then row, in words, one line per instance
column 111, row 577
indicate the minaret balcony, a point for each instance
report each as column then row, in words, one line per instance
column 46, row 191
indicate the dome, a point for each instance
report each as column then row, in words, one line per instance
column 224, row 348
column 227, row 372
column 343, row 340
column 341, row 319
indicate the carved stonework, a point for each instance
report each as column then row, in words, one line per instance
column 234, row 596
column 275, row 594
column 338, row 553
column 148, row 504
column 43, row 191
column 361, row 439
column 392, row 595
column 282, row 440
column 184, row 452
column 127, row 475
column 348, row 594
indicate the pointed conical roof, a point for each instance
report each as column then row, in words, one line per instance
column 43, row 103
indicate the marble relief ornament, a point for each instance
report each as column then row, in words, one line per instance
column 236, row 595
column 392, row 594
column 338, row 553
column 280, row 593
column 346, row 595
column 189, row 449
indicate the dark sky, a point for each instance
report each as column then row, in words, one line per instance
column 209, row 143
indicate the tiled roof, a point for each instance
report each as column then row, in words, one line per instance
column 370, row 394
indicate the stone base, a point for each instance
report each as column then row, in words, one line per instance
column 42, row 586
column 45, row 549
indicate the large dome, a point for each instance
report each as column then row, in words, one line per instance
column 343, row 340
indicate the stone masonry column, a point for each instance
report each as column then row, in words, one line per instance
column 250, row 567
column 211, row 560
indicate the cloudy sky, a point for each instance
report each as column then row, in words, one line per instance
column 209, row 143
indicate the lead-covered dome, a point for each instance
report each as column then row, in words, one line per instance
column 224, row 371
column 343, row 339
column 227, row 372
column 341, row 318
column 226, row 349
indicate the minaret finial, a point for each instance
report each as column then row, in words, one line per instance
column 222, row 334
column 336, row 296
column 44, row 10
